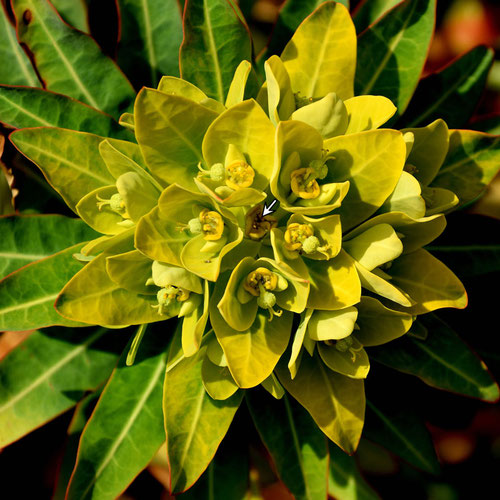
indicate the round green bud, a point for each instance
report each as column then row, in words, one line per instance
column 266, row 300
column 195, row 226
column 319, row 168
column 310, row 244
column 116, row 202
column 217, row 172
column 343, row 345
column 162, row 297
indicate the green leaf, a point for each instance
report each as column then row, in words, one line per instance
column 320, row 58
column 194, row 422
column 336, row 402
column 6, row 198
column 291, row 14
column 151, row 34
column 345, row 480
column 297, row 446
column 170, row 131
column 27, row 238
column 22, row 107
column 69, row 61
column 401, row 431
column 69, row 160
column 370, row 11
column 227, row 475
column 27, row 296
column 392, row 52
column 490, row 125
column 125, row 430
column 469, row 260
column 472, row 162
column 442, row 360
column 215, row 42
column 452, row 93
column 50, row 372
column 74, row 12
column 19, row 70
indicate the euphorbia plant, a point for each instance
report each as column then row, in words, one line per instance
column 245, row 222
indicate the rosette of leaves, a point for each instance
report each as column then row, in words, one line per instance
column 168, row 189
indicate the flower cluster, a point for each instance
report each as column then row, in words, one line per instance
column 284, row 296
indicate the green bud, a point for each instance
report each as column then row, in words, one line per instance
column 343, row 345
column 266, row 300
column 319, row 168
column 194, row 226
column 310, row 245
column 217, row 172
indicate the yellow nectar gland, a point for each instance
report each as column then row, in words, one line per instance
column 260, row 283
column 169, row 294
column 239, row 175
column 304, row 184
column 212, row 224
column 296, row 234
column 256, row 225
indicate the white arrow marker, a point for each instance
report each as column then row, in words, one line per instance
column 268, row 209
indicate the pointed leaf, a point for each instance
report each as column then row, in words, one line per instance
column 297, row 447
column 22, row 107
column 125, row 430
column 27, row 307
column 452, row 93
column 30, row 238
column 392, row 52
column 442, row 360
column 370, row 11
column 69, row 61
column 336, row 403
column 69, row 160
column 472, row 162
column 19, row 70
column 401, row 431
column 50, row 372
column 320, row 57
column 345, row 480
column 195, row 423
column 215, row 42
column 291, row 14
column 151, row 34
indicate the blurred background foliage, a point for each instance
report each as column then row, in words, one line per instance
column 465, row 432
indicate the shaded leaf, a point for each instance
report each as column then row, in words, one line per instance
column 125, row 430
column 30, row 238
column 472, row 162
column 345, row 480
column 401, row 431
column 69, row 61
column 19, row 70
column 22, row 107
column 297, row 446
column 151, row 34
column 28, row 307
column 370, row 11
column 490, row 125
column 195, row 423
column 442, row 360
column 215, row 42
column 50, row 372
column 74, row 12
column 452, row 93
column 392, row 52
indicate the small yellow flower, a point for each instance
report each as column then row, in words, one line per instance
column 304, row 184
column 239, row 175
column 256, row 225
column 212, row 224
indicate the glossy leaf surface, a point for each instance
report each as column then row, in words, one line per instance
column 392, row 52
column 69, row 61
column 28, row 307
column 125, row 430
column 30, row 238
column 215, row 42
column 50, row 372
